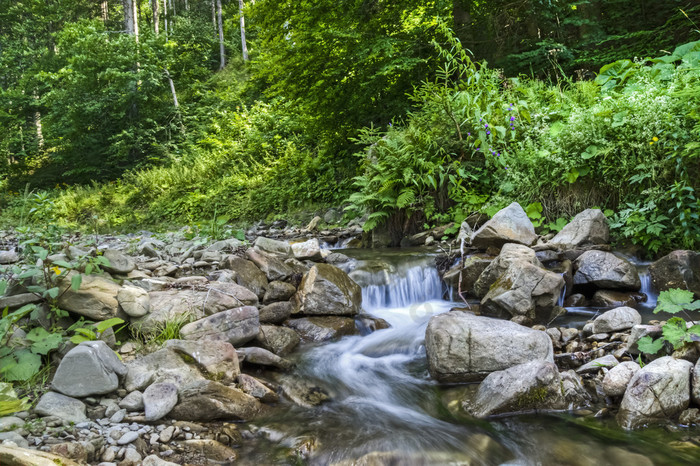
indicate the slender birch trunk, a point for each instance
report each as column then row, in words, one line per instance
column 220, row 22
column 244, row 46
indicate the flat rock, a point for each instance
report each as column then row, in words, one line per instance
column 206, row 400
column 279, row 340
column 164, row 365
column 257, row 389
column 246, row 274
column 308, row 250
column 17, row 456
column 64, row 407
column 608, row 361
column 96, row 299
column 273, row 246
column 236, row 326
column 462, row 347
column 263, row 357
column 8, row 257
column 621, row 318
column 218, row 359
column 119, row 263
column 605, row 270
column 323, row 328
column 272, row 266
column 91, row 368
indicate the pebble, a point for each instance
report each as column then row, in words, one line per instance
column 118, row 416
column 167, row 434
column 128, row 438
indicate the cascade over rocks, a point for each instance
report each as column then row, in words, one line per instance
column 327, row 290
column 586, row 228
column 462, row 347
column 605, row 270
column 679, row 269
column 509, row 225
column 656, row 392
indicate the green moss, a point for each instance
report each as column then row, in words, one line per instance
column 532, row 398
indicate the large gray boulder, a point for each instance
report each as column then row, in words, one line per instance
column 327, row 290
column 509, row 254
column 217, row 359
column 235, row 326
column 192, row 304
column 206, row 400
column 119, row 263
column 588, row 227
column 164, row 365
column 279, row 340
column 64, row 407
column 307, row 250
column 605, row 270
column 679, row 269
column 246, row 274
column 462, row 347
column 534, row 385
column 323, row 328
column 657, row 392
column 271, row 265
column 524, row 291
column 159, row 399
column 91, row 368
column 273, row 246
column 96, row 299
column 134, row 301
column 278, row 291
column 616, row 379
column 509, row 225
column 276, row 313
column 621, row 318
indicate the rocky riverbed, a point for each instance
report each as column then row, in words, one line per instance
column 254, row 319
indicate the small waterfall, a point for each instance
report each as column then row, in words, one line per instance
column 562, row 296
column 647, row 287
column 416, row 285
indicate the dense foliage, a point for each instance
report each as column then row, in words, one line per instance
column 414, row 112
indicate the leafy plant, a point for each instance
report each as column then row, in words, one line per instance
column 9, row 402
column 92, row 331
column 675, row 331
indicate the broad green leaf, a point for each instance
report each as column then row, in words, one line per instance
column 673, row 300
column 572, row 175
column 76, row 281
column 109, row 323
column 63, row 264
column 675, row 331
column 53, row 292
column 37, row 334
column 3, row 287
column 9, row 403
column 26, row 364
column 78, row 339
column 649, row 346
column 534, row 210
column 48, row 344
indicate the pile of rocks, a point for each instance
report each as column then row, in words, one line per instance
column 526, row 279
column 247, row 308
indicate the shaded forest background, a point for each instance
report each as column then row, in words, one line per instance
column 135, row 112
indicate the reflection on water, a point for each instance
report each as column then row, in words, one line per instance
column 384, row 404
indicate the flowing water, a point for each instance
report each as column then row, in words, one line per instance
column 383, row 402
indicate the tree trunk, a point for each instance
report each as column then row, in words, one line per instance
column 156, row 15
column 37, row 124
column 243, row 42
column 165, row 17
column 244, row 45
column 129, row 17
column 213, row 13
column 220, row 22
column 104, row 7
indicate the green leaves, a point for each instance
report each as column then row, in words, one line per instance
column 19, row 365
column 76, row 280
column 9, row 402
column 648, row 345
column 676, row 300
column 44, row 342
